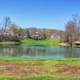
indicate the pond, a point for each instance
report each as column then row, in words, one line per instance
column 38, row 52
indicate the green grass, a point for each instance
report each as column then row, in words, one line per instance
column 30, row 42
column 39, row 78
column 46, row 42
column 37, row 60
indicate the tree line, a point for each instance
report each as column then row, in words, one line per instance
column 10, row 31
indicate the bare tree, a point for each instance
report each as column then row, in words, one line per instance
column 44, row 33
column 71, row 32
column 6, row 24
column 28, row 34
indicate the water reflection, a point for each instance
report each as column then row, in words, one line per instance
column 39, row 52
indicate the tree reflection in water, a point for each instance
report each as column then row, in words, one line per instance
column 39, row 52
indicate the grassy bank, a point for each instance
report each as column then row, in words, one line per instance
column 39, row 78
column 30, row 42
column 46, row 42
column 12, row 68
column 32, row 60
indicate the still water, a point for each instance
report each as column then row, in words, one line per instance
column 38, row 52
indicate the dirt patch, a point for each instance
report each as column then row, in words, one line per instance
column 67, row 70
column 19, row 69
column 29, row 69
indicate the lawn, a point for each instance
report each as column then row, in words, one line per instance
column 39, row 69
column 46, row 42
column 39, row 78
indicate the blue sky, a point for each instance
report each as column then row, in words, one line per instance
column 39, row 13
